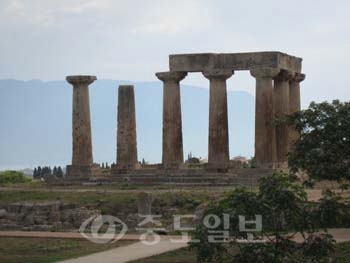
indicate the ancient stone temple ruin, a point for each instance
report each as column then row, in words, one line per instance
column 277, row 77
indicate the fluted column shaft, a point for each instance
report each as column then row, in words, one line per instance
column 82, row 145
column 265, row 136
column 172, row 155
column 294, row 105
column 126, row 135
column 218, row 145
column 281, row 103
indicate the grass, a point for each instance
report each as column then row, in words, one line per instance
column 105, row 198
column 77, row 197
column 178, row 256
column 45, row 250
column 184, row 255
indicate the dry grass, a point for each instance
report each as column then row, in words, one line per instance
column 45, row 250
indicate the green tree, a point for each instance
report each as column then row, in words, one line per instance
column 13, row 177
column 285, row 213
column 54, row 171
column 59, row 172
column 35, row 173
column 323, row 150
column 39, row 172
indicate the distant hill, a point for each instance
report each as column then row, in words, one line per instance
column 35, row 121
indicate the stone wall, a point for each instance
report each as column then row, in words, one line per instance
column 48, row 216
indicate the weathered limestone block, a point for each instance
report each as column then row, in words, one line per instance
column 265, row 136
column 200, row 212
column 28, row 220
column 40, row 219
column 218, row 119
column 54, row 216
column 82, row 214
column 126, row 134
column 172, row 156
column 281, row 103
column 144, row 203
column 3, row 213
column 42, row 227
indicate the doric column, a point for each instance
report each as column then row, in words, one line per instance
column 218, row 120
column 294, row 105
column 172, row 156
column 265, row 136
column 81, row 124
column 281, row 103
column 126, row 134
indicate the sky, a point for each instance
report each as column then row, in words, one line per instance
column 131, row 40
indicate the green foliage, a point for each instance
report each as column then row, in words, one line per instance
column 323, row 150
column 309, row 183
column 344, row 186
column 330, row 209
column 317, row 248
column 252, row 162
column 13, row 177
column 283, row 205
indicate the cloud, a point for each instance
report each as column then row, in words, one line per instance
column 15, row 8
column 84, row 7
column 177, row 18
column 51, row 13
column 151, row 18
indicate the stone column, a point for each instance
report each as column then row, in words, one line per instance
column 218, row 147
column 281, row 103
column 172, row 156
column 126, row 134
column 82, row 159
column 294, row 105
column 265, row 136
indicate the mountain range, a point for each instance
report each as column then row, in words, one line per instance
column 36, row 116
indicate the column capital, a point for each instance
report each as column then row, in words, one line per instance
column 264, row 72
column 298, row 77
column 81, row 79
column 222, row 74
column 284, row 75
column 171, row 76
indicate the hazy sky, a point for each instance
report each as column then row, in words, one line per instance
column 132, row 39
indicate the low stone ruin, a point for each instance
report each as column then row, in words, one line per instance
column 47, row 216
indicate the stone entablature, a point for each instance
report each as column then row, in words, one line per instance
column 233, row 61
